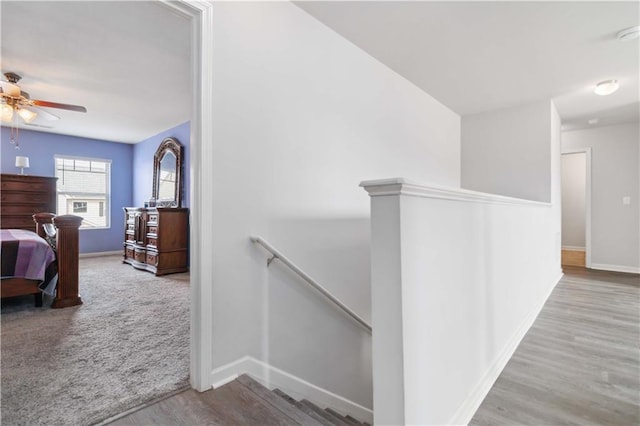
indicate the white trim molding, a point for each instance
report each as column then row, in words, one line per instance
column 472, row 402
column 402, row 186
column 201, row 247
column 573, row 248
column 100, row 254
column 272, row 377
column 616, row 268
column 587, row 200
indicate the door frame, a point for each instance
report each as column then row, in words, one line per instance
column 200, row 14
column 587, row 199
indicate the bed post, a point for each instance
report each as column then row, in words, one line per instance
column 68, row 248
column 41, row 219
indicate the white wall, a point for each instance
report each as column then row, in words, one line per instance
column 507, row 151
column 301, row 116
column 574, row 179
column 615, row 227
column 458, row 278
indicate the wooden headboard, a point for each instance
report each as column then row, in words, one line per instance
column 22, row 196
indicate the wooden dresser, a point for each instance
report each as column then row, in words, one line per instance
column 156, row 239
column 22, row 196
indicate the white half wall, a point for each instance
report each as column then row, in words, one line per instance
column 574, row 212
column 301, row 116
column 615, row 174
column 507, row 151
column 458, row 277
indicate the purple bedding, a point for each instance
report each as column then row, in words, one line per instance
column 26, row 255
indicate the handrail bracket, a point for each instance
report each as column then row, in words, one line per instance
column 271, row 259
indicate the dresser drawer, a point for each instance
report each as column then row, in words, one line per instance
column 152, row 258
column 35, row 186
column 129, row 252
column 140, row 254
column 31, row 198
column 151, row 241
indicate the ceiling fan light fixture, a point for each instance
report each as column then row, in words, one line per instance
column 27, row 116
column 7, row 113
column 606, row 87
column 10, row 89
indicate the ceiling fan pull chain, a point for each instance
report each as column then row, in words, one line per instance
column 14, row 137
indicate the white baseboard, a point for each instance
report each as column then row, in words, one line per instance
column 616, row 268
column 272, row 377
column 471, row 404
column 574, row 248
column 100, row 253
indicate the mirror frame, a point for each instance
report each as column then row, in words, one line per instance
column 168, row 145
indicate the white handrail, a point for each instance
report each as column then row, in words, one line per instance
column 277, row 255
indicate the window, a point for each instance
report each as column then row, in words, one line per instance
column 79, row 206
column 83, row 189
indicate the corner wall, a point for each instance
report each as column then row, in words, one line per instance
column 506, row 152
column 143, row 153
column 615, row 173
column 301, row 116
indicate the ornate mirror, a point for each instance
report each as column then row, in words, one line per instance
column 167, row 174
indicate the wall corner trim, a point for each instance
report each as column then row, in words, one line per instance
column 272, row 377
column 472, row 402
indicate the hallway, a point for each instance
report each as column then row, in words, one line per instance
column 580, row 361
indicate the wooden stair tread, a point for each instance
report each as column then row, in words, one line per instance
column 350, row 421
column 243, row 401
column 278, row 402
column 234, row 403
column 327, row 415
column 356, row 421
column 302, row 407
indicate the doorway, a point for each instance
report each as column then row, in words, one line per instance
column 576, row 207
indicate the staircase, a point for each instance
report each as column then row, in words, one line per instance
column 255, row 401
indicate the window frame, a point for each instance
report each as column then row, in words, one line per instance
column 107, row 208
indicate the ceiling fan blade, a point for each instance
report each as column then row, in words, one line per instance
column 48, row 104
column 45, row 114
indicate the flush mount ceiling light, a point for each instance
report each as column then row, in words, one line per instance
column 606, row 87
column 594, row 121
column 629, row 33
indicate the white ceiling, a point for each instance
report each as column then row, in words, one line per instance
column 128, row 63
column 481, row 56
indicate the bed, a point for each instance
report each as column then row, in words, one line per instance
column 33, row 265
column 28, row 265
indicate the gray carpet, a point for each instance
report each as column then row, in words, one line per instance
column 128, row 343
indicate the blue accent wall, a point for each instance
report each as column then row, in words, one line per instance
column 42, row 147
column 131, row 172
column 143, row 153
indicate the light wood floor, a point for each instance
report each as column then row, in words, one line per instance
column 579, row 364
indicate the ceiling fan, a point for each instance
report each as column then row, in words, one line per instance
column 17, row 102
